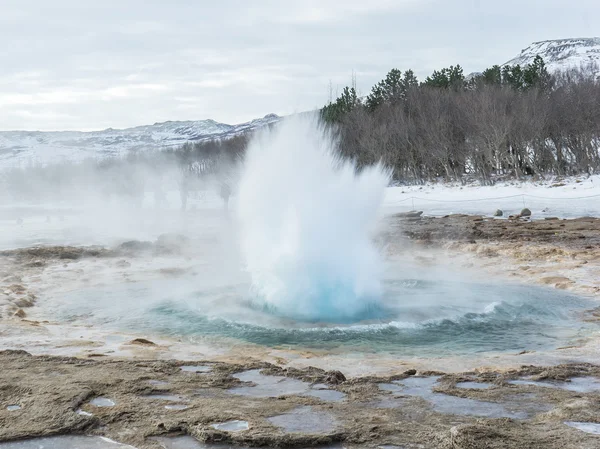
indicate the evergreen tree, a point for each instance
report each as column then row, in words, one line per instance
column 449, row 77
column 392, row 89
column 513, row 76
column 536, row 75
column 346, row 102
column 492, row 76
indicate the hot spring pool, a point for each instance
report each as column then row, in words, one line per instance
column 416, row 317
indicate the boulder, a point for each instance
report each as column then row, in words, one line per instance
column 525, row 213
column 498, row 213
column 411, row 214
column 135, row 246
column 335, row 377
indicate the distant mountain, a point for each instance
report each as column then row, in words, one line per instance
column 562, row 54
column 19, row 148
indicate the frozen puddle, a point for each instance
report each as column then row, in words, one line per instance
column 326, row 395
column 305, row 420
column 231, row 426
column 176, row 407
column 65, row 442
column 102, row 402
column 12, row 408
column 474, row 385
column 83, row 413
column 196, row 368
column 274, row 386
column 188, row 442
column 587, row 427
column 519, row 408
column 577, row 384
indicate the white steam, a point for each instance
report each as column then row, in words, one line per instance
column 307, row 220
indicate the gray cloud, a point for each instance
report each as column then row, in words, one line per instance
column 70, row 64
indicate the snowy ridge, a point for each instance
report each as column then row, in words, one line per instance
column 19, row 148
column 562, row 54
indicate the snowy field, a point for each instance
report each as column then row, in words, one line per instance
column 27, row 224
column 567, row 198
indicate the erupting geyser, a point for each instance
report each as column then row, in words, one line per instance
column 307, row 219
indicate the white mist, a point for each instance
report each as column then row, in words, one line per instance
column 307, row 220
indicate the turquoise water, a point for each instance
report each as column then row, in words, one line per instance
column 414, row 317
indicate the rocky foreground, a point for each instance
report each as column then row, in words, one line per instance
column 44, row 395
column 132, row 402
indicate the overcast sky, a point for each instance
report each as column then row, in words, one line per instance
column 93, row 64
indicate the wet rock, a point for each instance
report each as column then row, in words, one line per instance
column 525, row 212
column 141, row 342
column 411, row 214
column 20, row 313
column 335, row 377
column 498, row 213
column 23, row 302
column 135, row 246
column 410, row 372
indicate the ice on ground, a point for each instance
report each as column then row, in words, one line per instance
column 274, row 386
column 65, row 442
column 177, row 407
column 474, row 385
column 585, row 384
column 102, row 402
column 587, row 427
column 518, row 407
column 306, row 420
column 231, row 426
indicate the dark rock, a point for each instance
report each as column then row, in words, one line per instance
column 498, row 213
column 411, row 214
column 525, row 213
column 135, row 245
column 335, row 377
column 142, row 342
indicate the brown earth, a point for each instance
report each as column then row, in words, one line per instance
column 51, row 390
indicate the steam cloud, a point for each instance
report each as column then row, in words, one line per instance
column 306, row 218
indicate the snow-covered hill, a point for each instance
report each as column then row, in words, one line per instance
column 562, row 54
column 19, row 148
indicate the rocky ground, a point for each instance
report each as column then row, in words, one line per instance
column 55, row 395
column 51, row 390
column 561, row 253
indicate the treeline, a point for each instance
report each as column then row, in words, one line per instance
column 506, row 121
